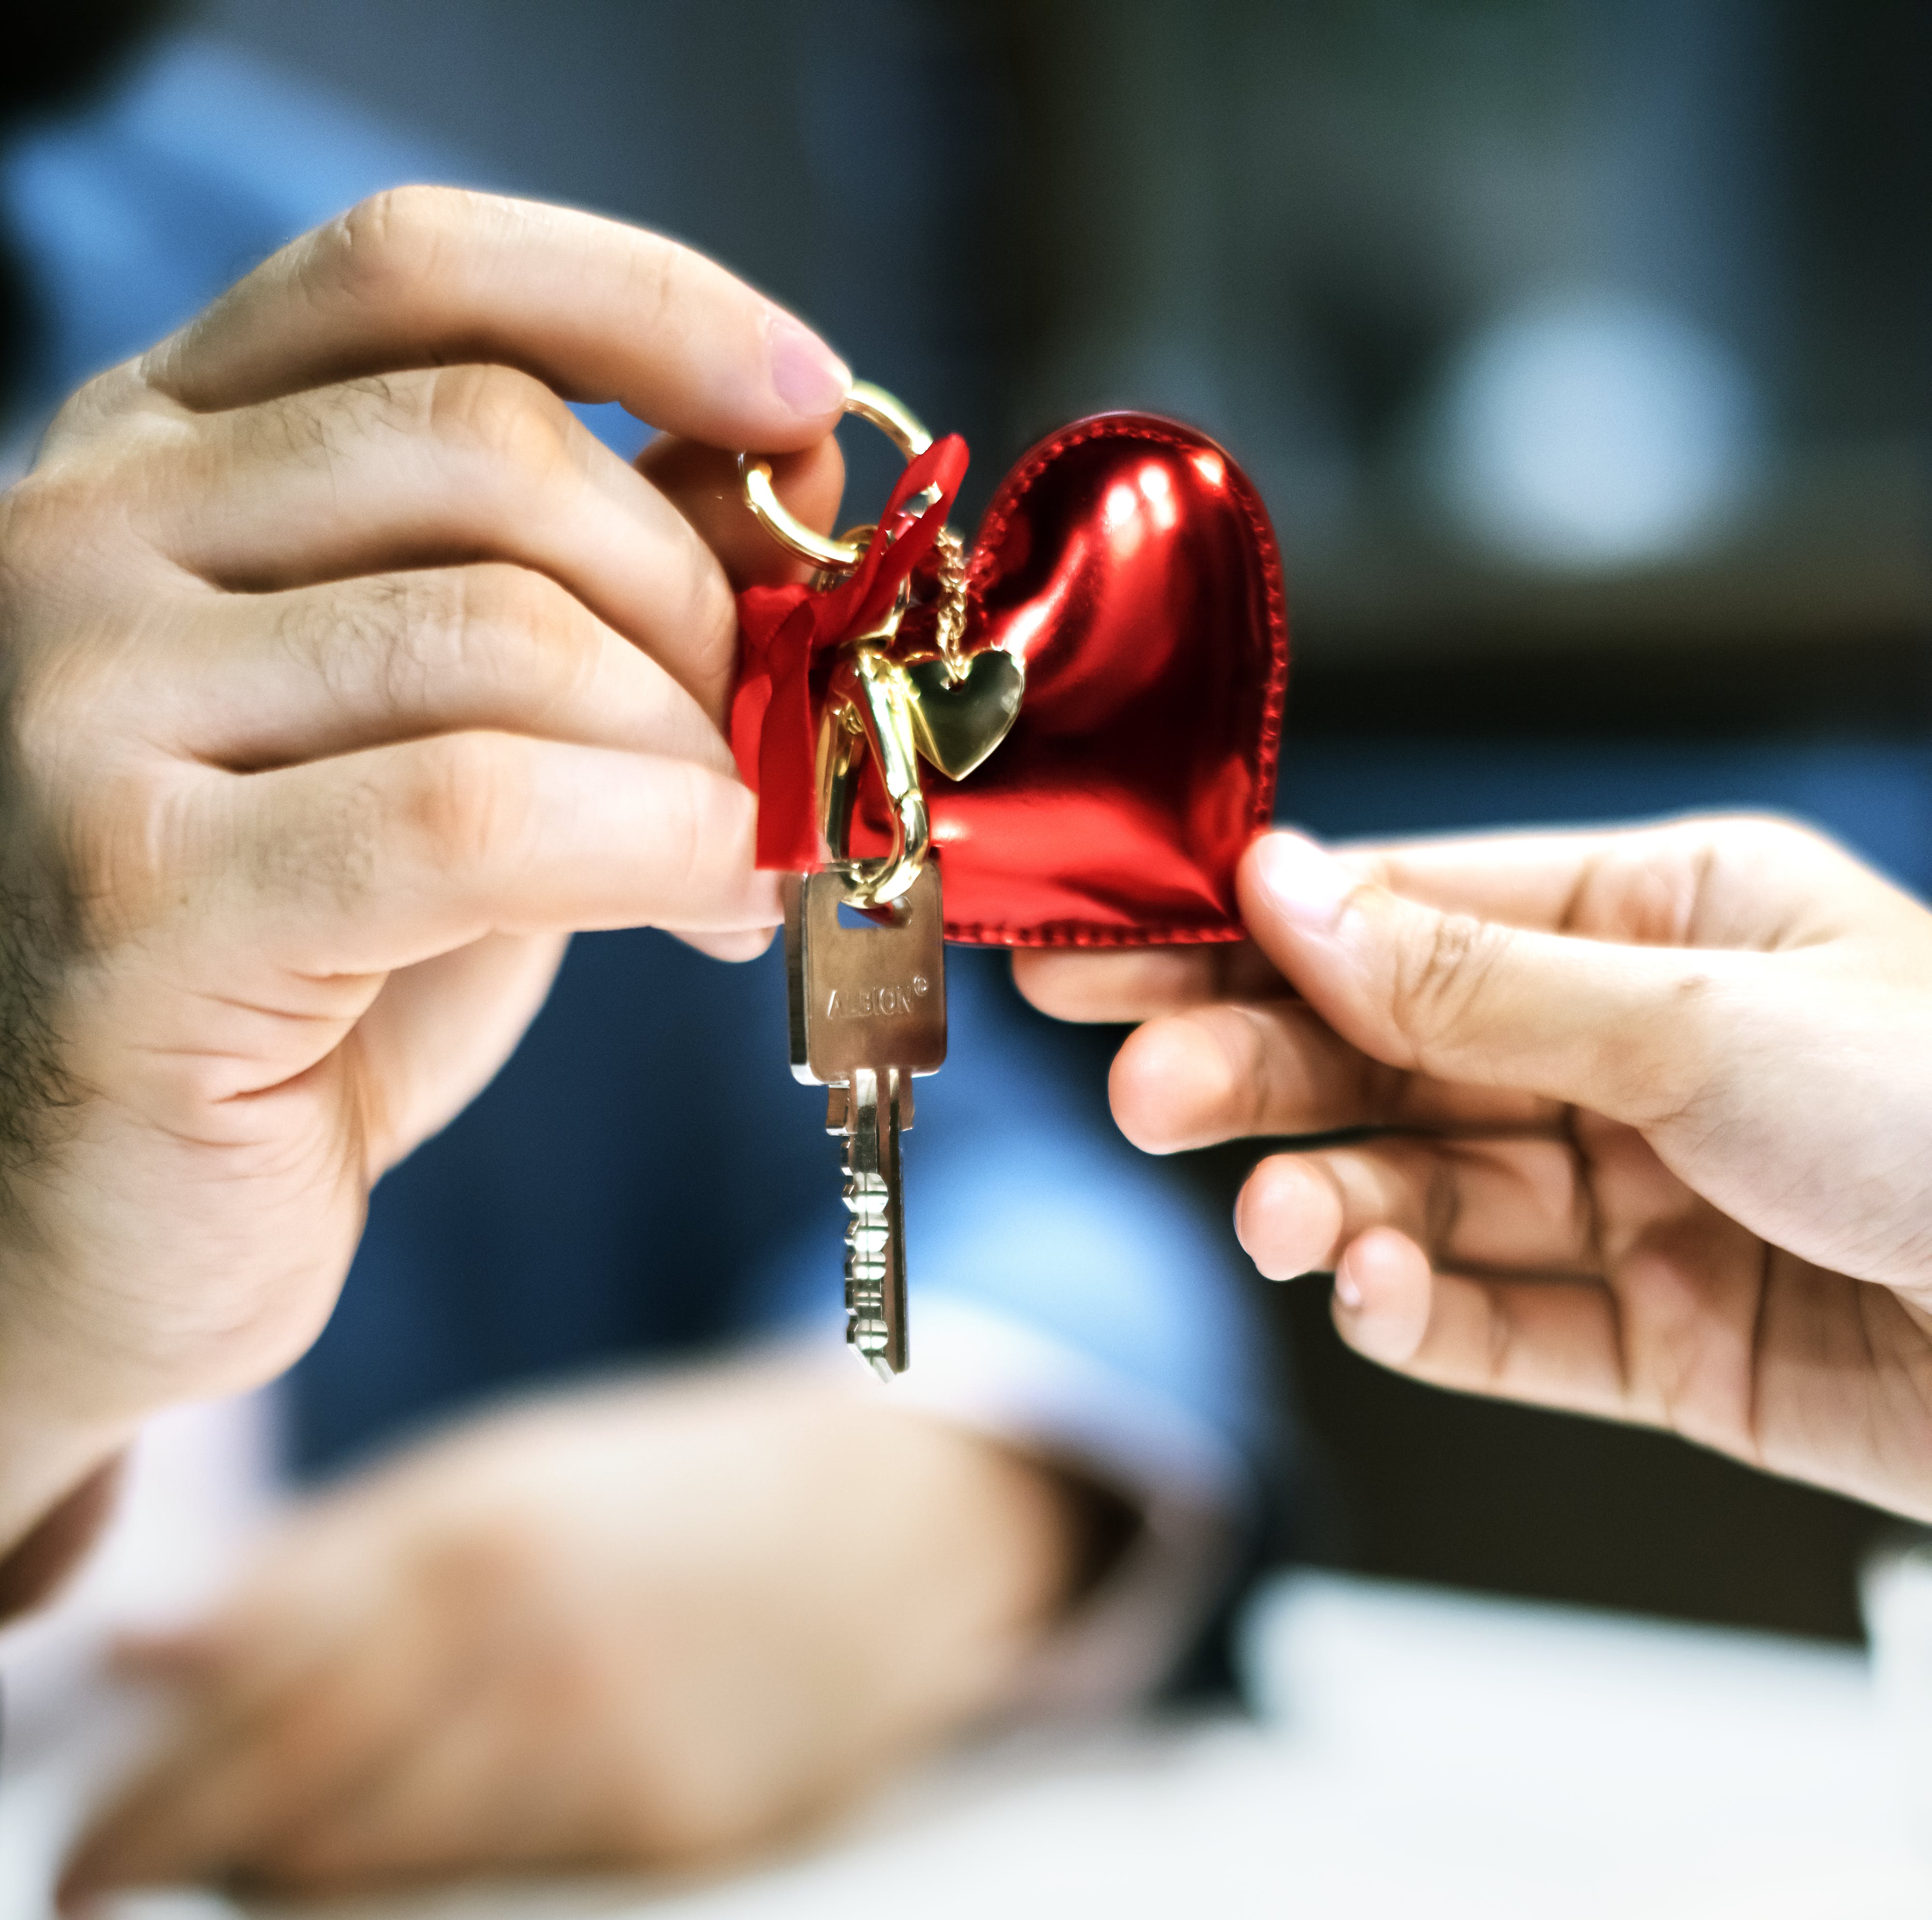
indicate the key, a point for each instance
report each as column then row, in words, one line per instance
column 868, row 1013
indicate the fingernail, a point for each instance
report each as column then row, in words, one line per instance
column 1307, row 884
column 1346, row 1290
column 806, row 374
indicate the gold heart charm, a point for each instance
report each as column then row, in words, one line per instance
column 957, row 723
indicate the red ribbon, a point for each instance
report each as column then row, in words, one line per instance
column 783, row 629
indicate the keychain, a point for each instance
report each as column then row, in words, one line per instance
column 1096, row 692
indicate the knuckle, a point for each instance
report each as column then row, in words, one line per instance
column 121, row 847
column 501, row 412
column 386, row 249
column 514, row 641
column 107, row 396
column 1437, row 982
column 1757, row 839
column 514, row 631
column 469, row 803
column 71, row 550
column 41, row 518
column 47, row 710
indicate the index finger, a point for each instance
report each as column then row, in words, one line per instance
column 1535, row 879
column 1658, row 883
column 1525, row 879
column 426, row 276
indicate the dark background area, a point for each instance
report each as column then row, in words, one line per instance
column 1363, row 242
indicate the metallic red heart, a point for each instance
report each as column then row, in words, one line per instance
column 1128, row 559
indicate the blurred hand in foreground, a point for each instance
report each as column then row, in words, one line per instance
column 1641, row 1122
column 651, row 1626
column 343, row 673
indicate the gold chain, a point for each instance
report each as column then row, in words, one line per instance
column 949, row 627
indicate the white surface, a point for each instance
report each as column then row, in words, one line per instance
column 1897, row 1591
column 1423, row 1754
column 194, row 1493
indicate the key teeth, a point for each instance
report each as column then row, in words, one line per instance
column 865, row 1264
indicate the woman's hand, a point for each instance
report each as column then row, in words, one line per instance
column 653, row 1626
column 1640, row 1122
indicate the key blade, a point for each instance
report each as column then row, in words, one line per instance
column 875, row 1274
column 895, row 1356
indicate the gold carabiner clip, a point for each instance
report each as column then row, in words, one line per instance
column 868, row 707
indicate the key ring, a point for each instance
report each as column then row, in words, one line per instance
column 871, row 701
column 893, row 418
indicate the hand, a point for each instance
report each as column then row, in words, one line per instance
column 1646, row 1130
column 344, row 673
column 668, row 1623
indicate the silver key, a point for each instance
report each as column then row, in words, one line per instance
column 868, row 1005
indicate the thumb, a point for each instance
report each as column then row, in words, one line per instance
column 1593, row 1023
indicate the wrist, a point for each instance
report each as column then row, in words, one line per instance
column 62, row 1422
column 43, row 1463
column 34, row 1566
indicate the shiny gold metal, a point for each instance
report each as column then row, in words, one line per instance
column 891, row 415
column 963, row 705
column 950, row 621
column 869, row 708
column 871, row 700
column 960, row 716
column 893, row 418
column 953, row 709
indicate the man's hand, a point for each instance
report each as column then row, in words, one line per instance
column 1645, row 1121
column 342, row 674
column 655, row 1627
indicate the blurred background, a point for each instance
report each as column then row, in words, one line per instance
column 1580, row 347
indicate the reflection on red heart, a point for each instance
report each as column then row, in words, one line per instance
column 1130, row 561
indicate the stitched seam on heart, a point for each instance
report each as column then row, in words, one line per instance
column 1088, row 933
column 1267, row 742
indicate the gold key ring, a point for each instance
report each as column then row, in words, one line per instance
column 893, row 418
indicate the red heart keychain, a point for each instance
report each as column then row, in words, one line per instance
column 1129, row 567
